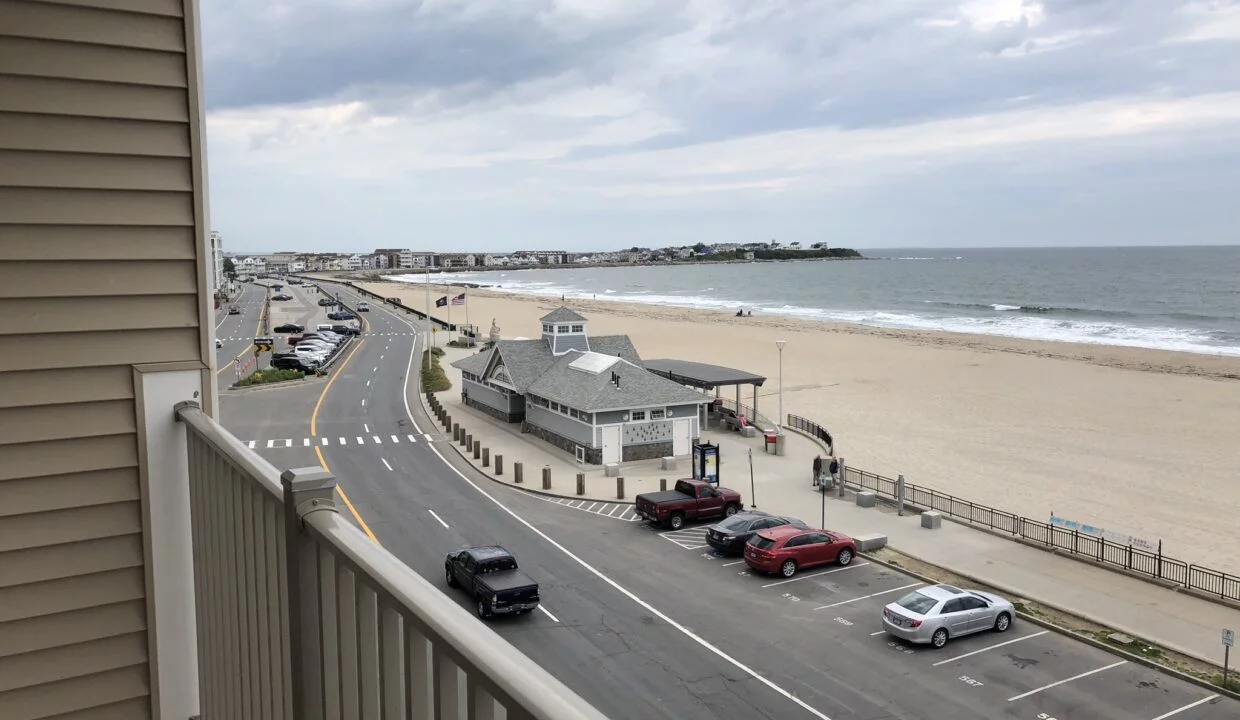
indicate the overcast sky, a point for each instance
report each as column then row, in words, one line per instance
column 591, row 124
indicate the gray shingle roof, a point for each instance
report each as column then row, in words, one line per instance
column 475, row 364
column 562, row 314
column 618, row 345
column 529, row 360
column 564, row 343
column 593, row 393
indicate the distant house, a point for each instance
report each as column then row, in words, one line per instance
column 589, row 396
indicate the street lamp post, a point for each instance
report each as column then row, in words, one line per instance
column 780, row 344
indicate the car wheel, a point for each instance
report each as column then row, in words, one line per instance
column 845, row 557
column 482, row 609
column 788, row 569
column 451, row 579
column 1003, row 622
column 729, row 510
column 939, row 638
column 676, row 521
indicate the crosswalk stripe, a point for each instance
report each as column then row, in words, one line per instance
column 395, row 439
column 377, row 440
column 324, row 441
column 271, row 443
column 412, row 439
column 305, row 442
column 360, row 441
column 342, row 441
column 253, row 443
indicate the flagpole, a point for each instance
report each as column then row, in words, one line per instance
column 466, row 299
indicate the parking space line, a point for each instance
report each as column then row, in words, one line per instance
column 867, row 597
column 1189, row 706
column 1068, row 680
column 614, row 509
column 385, row 464
column 365, row 427
column 989, row 647
column 591, row 508
column 548, row 613
column 880, row 632
column 817, row 574
column 436, row 516
column 738, row 562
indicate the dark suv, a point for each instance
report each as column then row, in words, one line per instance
column 728, row 537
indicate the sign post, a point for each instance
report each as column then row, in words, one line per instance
column 753, row 501
column 1229, row 639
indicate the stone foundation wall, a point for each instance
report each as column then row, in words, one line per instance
column 493, row 412
column 593, row 456
column 649, row 451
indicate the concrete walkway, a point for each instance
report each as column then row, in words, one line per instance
column 1175, row 620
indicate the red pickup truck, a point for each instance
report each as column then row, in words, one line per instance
column 690, row 500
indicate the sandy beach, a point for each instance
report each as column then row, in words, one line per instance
column 1140, row 442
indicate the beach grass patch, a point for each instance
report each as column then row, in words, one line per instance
column 435, row 379
column 269, row 375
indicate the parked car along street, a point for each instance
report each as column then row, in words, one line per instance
column 689, row 500
column 933, row 615
column 788, row 548
column 729, row 536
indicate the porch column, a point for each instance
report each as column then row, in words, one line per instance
column 163, row 471
column 755, row 406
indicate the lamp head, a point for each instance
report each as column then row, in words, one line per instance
column 780, row 344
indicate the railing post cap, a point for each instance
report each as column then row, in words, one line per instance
column 307, row 479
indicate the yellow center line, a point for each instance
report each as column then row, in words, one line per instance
column 314, row 419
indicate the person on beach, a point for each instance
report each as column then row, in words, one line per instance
column 740, row 312
column 817, row 469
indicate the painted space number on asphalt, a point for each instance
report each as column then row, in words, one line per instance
column 1044, row 716
column 970, row 681
column 897, row 646
column 792, row 597
column 844, row 621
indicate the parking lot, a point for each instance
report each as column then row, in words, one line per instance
column 1026, row 672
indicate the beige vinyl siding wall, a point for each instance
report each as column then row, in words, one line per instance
column 100, row 269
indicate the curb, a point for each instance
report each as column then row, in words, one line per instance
column 271, row 385
column 1132, row 657
column 533, row 491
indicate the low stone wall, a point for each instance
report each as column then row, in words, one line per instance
column 593, row 456
column 493, row 412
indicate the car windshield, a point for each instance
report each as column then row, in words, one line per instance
column 761, row 543
column 917, row 603
column 736, row 523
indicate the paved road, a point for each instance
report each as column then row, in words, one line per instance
column 648, row 624
column 236, row 332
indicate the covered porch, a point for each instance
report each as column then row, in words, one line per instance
column 706, row 377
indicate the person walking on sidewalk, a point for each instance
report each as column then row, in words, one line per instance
column 829, row 478
column 817, row 469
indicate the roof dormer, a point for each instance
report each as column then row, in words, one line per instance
column 564, row 330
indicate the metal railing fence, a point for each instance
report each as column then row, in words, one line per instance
column 1153, row 564
column 300, row 615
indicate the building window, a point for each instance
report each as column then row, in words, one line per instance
column 658, row 414
column 562, row 329
column 637, row 415
column 579, row 328
column 574, row 414
column 555, row 407
column 546, row 328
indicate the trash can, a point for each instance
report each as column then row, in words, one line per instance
column 771, row 444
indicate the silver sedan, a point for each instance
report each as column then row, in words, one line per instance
column 936, row 613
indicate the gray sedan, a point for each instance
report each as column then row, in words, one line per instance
column 936, row 613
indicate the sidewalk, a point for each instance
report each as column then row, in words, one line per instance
column 1177, row 621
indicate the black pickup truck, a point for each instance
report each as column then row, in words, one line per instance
column 491, row 577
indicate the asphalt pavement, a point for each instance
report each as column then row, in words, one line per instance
column 236, row 332
column 644, row 623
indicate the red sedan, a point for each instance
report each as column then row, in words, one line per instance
column 788, row 548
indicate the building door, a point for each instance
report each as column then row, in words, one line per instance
column 681, row 429
column 612, row 444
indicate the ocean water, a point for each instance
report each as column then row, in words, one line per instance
column 1185, row 299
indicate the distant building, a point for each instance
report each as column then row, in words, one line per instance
column 218, row 280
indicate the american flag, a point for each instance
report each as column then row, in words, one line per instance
column 459, row 299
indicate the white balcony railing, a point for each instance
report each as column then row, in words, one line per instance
column 300, row 615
